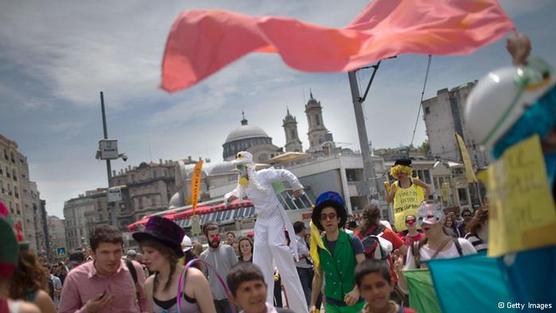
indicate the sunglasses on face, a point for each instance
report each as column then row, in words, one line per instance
column 329, row 216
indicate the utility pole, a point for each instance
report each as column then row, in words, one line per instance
column 108, row 150
column 368, row 168
column 108, row 166
column 371, row 181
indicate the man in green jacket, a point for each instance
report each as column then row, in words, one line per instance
column 338, row 258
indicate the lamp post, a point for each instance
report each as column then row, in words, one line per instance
column 108, row 150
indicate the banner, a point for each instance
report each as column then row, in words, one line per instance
column 477, row 277
column 522, row 214
column 201, row 42
column 422, row 296
column 467, row 163
column 196, row 184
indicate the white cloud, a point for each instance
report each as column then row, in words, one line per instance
column 67, row 51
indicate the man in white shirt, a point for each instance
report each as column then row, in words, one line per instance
column 304, row 266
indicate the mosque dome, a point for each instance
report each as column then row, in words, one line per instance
column 243, row 138
column 246, row 132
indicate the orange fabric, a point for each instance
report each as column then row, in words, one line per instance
column 201, row 42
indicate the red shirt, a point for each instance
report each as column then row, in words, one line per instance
column 409, row 240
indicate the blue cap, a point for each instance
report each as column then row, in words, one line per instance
column 329, row 199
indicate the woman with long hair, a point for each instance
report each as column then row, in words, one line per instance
column 452, row 225
column 245, row 249
column 172, row 288
column 30, row 281
column 478, row 230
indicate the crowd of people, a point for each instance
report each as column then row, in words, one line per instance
column 353, row 269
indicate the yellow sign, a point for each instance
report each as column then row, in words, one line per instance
column 196, row 184
column 467, row 163
column 406, row 202
column 522, row 213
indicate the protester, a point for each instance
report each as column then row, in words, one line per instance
column 131, row 255
column 245, row 249
column 436, row 244
column 188, row 255
column 30, row 280
column 337, row 257
column 411, row 235
column 451, row 225
column 373, row 278
column 197, row 249
column 272, row 219
column 249, row 290
column 478, row 230
column 466, row 216
column 406, row 192
column 304, row 266
column 231, row 241
column 371, row 226
column 220, row 258
column 9, row 251
column 106, row 284
column 55, row 284
column 161, row 244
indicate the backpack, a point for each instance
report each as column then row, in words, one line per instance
column 133, row 273
column 417, row 246
column 375, row 246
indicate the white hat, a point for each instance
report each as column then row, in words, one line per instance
column 186, row 243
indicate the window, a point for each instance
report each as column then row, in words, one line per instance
column 14, row 175
column 427, row 110
column 462, row 194
column 427, row 178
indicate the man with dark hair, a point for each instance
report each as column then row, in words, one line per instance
column 105, row 284
column 336, row 257
column 220, row 259
column 304, row 266
column 248, row 288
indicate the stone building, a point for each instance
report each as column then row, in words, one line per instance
column 21, row 195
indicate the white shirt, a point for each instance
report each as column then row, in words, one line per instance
column 426, row 253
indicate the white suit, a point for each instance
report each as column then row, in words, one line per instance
column 270, row 240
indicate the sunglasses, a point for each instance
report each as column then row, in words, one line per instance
column 329, row 216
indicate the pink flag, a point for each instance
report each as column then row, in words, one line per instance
column 202, row 42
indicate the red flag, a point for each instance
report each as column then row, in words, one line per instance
column 202, row 42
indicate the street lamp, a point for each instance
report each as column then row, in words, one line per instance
column 108, row 150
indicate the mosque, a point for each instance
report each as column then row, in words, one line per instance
column 255, row 140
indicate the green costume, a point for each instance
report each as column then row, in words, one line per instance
column 338, row 269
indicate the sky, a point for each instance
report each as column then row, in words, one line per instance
column 56, row 57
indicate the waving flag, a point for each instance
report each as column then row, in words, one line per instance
column 202, row 42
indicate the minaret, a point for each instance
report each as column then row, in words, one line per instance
column 318, row 134
column 293, row 144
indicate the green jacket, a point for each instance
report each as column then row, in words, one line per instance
column 339, row 268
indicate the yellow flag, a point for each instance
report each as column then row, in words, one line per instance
column 467, row 163
column 522, row 214
column 196, row 184
column 315, row 244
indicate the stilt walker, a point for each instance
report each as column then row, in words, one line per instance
column 272, row 220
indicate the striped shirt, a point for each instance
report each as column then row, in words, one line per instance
column 477, row 242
